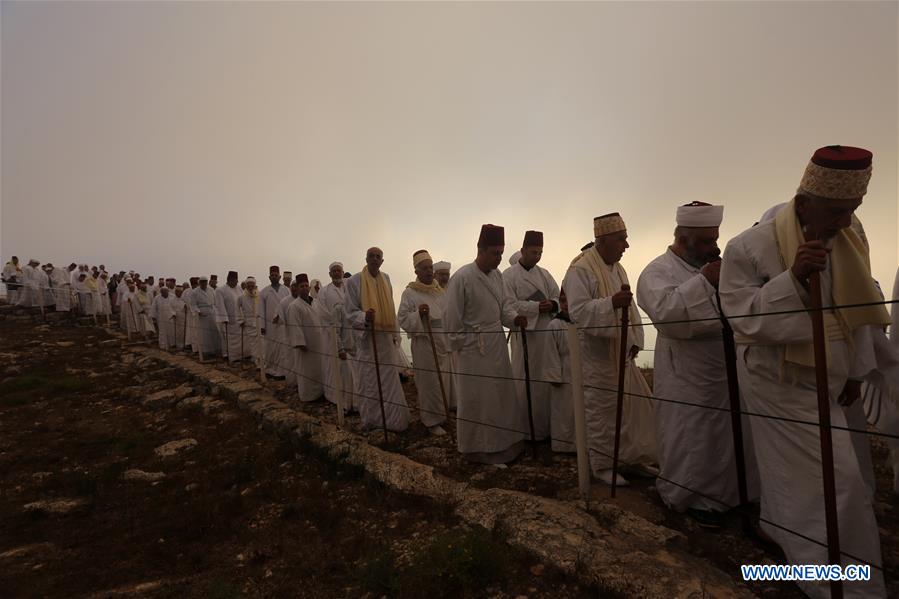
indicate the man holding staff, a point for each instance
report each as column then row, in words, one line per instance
column 767, row 269
column 423, row 304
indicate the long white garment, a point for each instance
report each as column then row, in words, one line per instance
column 86, row 303
column 430, row 397
column 528, row 288
column 226, row 318
column 304, row 329
column 754, row 281
column 249, row 323
column 492, row 416
column 598, row 321
column 44, row 294
column 128, row 313
column 202, row 305
column 270, row 301
column 395, row 408
column 142, row 304
column 161, row 310
column 331, row 303
column 104, row 305
column 288, row 354
column 190, row 339
column 28, row 291
column 62, row 290
column 558, row 371
column 696, row 444
column 179, row 321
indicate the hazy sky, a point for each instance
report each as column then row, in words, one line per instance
column 185, row 138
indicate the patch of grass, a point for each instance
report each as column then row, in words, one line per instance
column 222, row 589
column 40, row 381
column 457, row 563
column 379, row 574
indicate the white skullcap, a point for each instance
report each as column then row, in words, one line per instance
column 203, row 278
column 30, row 260
column 699, row 215
column 442, row 265
column 333, row 264
column 250, row 280
column 513, row 260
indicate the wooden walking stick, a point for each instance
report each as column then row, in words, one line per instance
column 374, row 346
column 527, row 389
column 427, row 319
column 736, row 420
column 622, row 363
column 830, row 494
column 337, row 368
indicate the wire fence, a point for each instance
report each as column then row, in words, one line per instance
column 274, row 335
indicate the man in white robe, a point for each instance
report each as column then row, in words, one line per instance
column 28, row 293
column 273, row 330
column 128, row 314
column 370, row 310
column 192, row 338
column 85, row 301
column 696, row 444
column 491, row 422
column 105, row 305
column 179, row 312
column 202, row 306
column 331, row 304
column 424, row 301
column 249, row 319
column 767, row 269
column 442, row 270
column 535, row 294
column 12, row 278
column 593, row 284
column 163, row 315
column 62, row 289
column 304, row 332
column 226, row 299
column 44, row 294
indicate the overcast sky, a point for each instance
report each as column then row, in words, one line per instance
column 186, row 138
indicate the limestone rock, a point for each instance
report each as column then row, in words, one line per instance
column 143, row 476
column 175, row 447
column 59, row 507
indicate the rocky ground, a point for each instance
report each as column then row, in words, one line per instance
column 106, row 492
column 137, row 491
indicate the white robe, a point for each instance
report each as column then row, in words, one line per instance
column 601, row 322
column 28, row 293
column 249, row 323
column 492, row 416
column 202, row 306
column 558, row 372
column 430, row 397
column 288, row 355
column 44, row 292
column 696, row 444
column 180, row 313
column 142, row 303
column 270, row 301
column 128, row 314
column 226, row 317
column 527, row 288
column 62, row 290
column 161, row 310
column 331, row 303
column 304, row 329
column 191, row 321
column 395, row 408
column 104, row 306
column 753, row 281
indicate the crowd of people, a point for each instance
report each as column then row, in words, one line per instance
column 341, row 342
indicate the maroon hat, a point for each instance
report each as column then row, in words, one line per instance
column 232, row 274
column 845, row 158
column 302, row 278
column 194, row 279
column 272, row 269
column 491, row 235
column 532, row 238
column 837, row 172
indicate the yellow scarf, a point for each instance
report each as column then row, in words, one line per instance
column 376, row 294
column 432, row 288
column 591, row 261
column 850, row 266
column 92, row 284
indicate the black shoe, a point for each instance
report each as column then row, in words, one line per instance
column 707, row 518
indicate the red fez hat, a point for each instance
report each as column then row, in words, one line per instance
column 491, row 235
column 844, row 158
column 194, row 279
column 232, row 274
column 302, row 278
column 272, row 269
column 532, row 238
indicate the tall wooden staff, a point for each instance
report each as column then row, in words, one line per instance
column 622, row 363
column 736, row 421
column 527, row 388
column 374, row 346
column 830, row 494
column 427, row 319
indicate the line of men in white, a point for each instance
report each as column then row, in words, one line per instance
column 765, row 269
